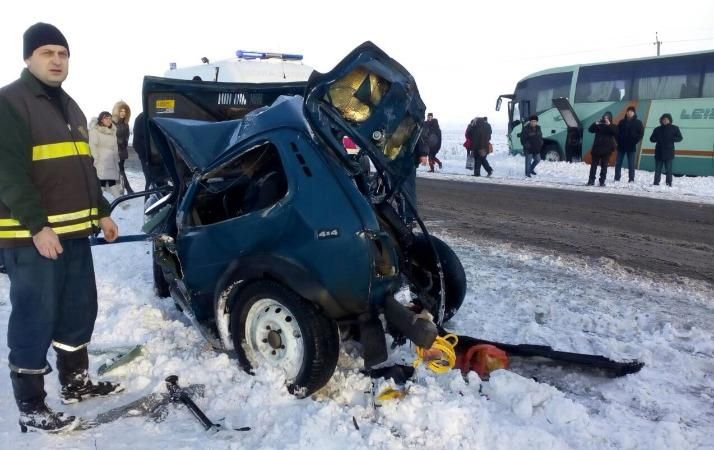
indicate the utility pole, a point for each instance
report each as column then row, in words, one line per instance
column 657, row 42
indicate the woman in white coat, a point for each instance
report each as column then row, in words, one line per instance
column 105, row 151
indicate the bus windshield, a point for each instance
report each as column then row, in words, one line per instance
column 536, row 94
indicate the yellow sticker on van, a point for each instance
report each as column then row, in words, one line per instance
column 165, row 106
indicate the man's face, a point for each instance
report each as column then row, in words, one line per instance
column 665, row 121
column 533, row 123
column 50, row 64
column 429, row 117
column 630, row 114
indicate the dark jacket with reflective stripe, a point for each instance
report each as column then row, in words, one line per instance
column 46, row 171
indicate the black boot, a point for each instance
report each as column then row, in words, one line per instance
column 74, row 378
column 30, row 395
column 39, row 417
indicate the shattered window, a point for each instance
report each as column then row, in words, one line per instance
column 253, row 181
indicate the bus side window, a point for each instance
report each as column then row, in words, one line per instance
column 708, row 83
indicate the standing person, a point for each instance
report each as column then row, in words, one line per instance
column 121, row 113
column 421, row 155
column 603, row 146
column 433, row 139
column 139, row 145
column 50, row 201
column 104, row 147
column 664, row 137
column 629, row 133
column 532, row 140
column 479, row 131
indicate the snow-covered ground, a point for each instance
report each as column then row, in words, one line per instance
column 510, row 169
column 592, row 306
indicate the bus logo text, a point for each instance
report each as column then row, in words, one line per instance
column 698, row 113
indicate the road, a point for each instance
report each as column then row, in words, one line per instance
column 659, row 236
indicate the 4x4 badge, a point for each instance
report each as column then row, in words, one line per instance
column 328, row 234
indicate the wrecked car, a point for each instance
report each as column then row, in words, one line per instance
column 275, row 240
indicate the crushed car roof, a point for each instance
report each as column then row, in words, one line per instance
column 201, row 144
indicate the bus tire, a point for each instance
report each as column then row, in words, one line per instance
column 551, row 153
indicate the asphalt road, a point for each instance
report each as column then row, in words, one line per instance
column 659, row 236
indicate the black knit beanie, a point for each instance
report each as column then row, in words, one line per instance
column 41, row 34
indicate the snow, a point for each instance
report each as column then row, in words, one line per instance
column 582, row 305
column 510, row 169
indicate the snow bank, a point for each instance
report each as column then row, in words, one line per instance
column 582, row 305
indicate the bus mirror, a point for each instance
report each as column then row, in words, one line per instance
column 498, row 103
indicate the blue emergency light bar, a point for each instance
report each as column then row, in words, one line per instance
column 243, row 54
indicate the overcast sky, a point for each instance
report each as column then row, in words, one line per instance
column 462, row 54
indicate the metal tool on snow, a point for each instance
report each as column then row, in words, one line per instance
column 177, row 394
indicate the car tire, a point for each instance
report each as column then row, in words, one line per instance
column 273, row 326
column 453, row 271
column 551, row 153
column 161, row 286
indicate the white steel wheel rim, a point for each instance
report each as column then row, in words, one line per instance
column 273, row 338
column 552, row 156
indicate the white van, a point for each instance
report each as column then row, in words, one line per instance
column 247, row 67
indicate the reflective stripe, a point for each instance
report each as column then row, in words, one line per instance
column 68, row 348
column 16, row 369
column 59, row 230
column 59, row 150
column 55, row 218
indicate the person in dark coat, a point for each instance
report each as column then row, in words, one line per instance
column 479, row 131
column 629, row 133
column 121, row 113
column 433, row 139
column 139, row 145
column 50, row 203
column 603, row 146
column 532, row 140
column 421, row 155
column 664, row 137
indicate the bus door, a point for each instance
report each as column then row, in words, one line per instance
column 511, row 121
column 574, row 138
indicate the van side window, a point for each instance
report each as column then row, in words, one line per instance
column 253, row 181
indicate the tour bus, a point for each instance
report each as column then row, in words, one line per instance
column 568, row 99
column 246, row 67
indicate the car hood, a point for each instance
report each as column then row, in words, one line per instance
column 372, row 99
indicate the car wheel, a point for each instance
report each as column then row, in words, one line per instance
column 452, row 270
column 161, row 287
column 551, row 153
column 273, row 326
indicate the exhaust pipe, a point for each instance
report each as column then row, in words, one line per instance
column 417, row 329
